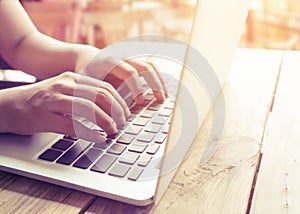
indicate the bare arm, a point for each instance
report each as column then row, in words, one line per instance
column 45, row 104
column 25, row 48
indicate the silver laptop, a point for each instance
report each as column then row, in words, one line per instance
column 137, row 165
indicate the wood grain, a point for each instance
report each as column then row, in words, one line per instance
column 278, row 186
column 223, row 185
column 24, row 195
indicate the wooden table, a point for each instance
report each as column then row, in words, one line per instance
column 255, row 169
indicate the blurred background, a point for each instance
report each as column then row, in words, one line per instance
column 102, row 22
column 273, row 24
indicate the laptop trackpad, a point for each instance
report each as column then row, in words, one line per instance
column 24, row 147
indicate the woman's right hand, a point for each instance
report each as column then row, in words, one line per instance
column 49, row 105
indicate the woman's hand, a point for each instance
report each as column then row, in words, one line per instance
column 48, row 106
column 93, row 63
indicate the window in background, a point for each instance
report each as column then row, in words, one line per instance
column 108, row 21
column 273, row 24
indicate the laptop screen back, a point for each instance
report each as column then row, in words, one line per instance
column 215, row 36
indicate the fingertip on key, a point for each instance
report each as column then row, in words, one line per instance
column 100, row 137
column 160, row 96
column 139, row 99
column 113, row 129
column 127, row 113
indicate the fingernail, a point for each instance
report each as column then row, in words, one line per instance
column 139, row 99
column 160, row 96
column 127, row 113
column 114, row 128
column 100, row 138
column 163, row 95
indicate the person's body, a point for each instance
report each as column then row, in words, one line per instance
column 43, row 106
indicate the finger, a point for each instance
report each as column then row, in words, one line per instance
column 102, row 97
column 149, row 74
column 84, row 80
column 159, row 76
column 82, row 132
column 104, row 100
column 70, row 84
column 129, row 75
column 80, row 107
column 67, row 126
column 117, row 97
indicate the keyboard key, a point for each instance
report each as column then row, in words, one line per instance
column 129, row 158
column 161, row 138
column 125, row 139
column 159, row 120
column 63, row 144
column 88, row 158
column 113, row 136
column 132, row 129
column 148, row 97
column 70, row 138
column 136, row 109
column 131, row 118
column 169, row 105
column 116, row 149
column 165, row 128
column 152, row 149
column 147, row 113
column 155, row 106
column 139, row 148
column 50, row 155
column 103, row 145
column 103, row 164
column 144, row 160
column 119, row 170
column 153, row 128
column 166, row 112
column 74, row 152
column 146, row 137
column 140, row 121
column 135, row 173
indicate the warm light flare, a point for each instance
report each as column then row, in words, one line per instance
column 273, row 24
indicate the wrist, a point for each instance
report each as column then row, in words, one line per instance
column 4, row 110
column 82, row 55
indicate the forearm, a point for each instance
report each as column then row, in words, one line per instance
column 25, row 48
column 43, row 56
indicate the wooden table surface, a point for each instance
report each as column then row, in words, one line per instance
column 255, row 169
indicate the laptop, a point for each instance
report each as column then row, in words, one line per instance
column 137, row 165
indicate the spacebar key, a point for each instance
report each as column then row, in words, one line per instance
column 71, row 155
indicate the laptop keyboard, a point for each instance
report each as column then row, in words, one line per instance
column 125, row 154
